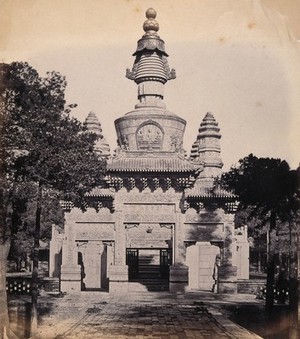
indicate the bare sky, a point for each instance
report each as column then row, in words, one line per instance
column 239, row 59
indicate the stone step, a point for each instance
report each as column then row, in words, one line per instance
column 155, row 271
column 149, row 276
column 148, row 284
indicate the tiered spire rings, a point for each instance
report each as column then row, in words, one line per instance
column 151, row 59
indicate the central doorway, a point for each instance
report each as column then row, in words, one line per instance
column 148, row 263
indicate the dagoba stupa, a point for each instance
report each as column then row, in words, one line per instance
column 156, row 223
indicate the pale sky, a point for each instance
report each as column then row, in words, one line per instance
column 239, row 59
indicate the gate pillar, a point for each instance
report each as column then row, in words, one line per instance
column 70, row 279
column 118, row 279
column 179, row 276
column 179, row 271
column 227, row 277
column 118, row 275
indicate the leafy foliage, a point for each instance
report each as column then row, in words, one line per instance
column 270, row 192
column 43, row 148
column 59, row 154
column 264, row 185
column 41, row 144
column 24, row 223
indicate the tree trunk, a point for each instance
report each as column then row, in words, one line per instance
column 6, row 208
column 293, row 289
column 35, row 261
column 270, row 284
column 270, row 267
column 4, row 319
column 259, row 262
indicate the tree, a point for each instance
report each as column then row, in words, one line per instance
column 271, row 190
column 257, row 235
column 23, row 224
column 42, row 146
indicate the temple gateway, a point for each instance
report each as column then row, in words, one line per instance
column 157, row 218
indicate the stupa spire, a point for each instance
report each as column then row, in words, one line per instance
column 150, row 69
column 207, row 147
column 93, row 125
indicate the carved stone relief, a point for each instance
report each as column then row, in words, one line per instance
column 149, row 212
column 95, row 231
column 149, row 136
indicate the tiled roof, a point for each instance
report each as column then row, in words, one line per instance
column 207, row 192
column 152, row 163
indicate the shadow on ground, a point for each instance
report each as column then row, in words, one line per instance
column 255, row 319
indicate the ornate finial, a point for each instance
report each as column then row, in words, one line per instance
column 151, row 26
column 150, row 65
column 151, row 13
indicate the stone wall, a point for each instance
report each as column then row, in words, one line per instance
column 95, row 242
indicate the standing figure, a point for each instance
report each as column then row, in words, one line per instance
column 216, row 272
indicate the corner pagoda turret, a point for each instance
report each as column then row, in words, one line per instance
column 93, row 125
column 207, row 147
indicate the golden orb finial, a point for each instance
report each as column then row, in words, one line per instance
column 151, row 13
column 151, row 26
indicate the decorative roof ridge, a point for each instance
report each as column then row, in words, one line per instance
column 204, row 191
column 161, row 154
column 175, row 163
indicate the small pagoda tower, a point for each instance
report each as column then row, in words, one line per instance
column 207, row 147
column 93, row 125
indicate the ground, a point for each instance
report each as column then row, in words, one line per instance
column 134, row 315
